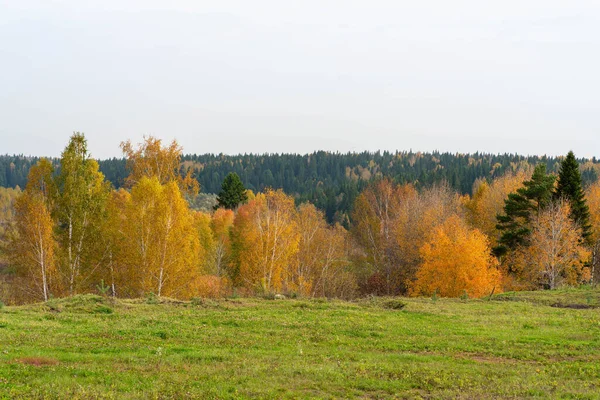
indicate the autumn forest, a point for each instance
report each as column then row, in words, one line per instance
column 71, row 231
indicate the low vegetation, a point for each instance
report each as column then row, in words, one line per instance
column 516, row 345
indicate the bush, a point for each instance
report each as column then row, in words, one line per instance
column 100, row 309
column 269, row 296
column 202, row 302
column 151, row 298
column 394, row 304
column 1, row 305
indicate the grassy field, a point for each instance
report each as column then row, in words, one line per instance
column 517, row 345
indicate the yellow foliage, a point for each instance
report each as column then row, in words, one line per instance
column 206, row 250
column 33, row 246
column 8, row 196
column 555, row 254
column 322, row 256
column 265, row 242
column 488, row 201
column 456, row 259
column 220, row 225
column 150, row 159
column 162, row 247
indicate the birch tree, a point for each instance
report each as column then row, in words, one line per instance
column 82, row 193
column 265, row 240
column 556, row 254
column 33, row 248
column 161, row 253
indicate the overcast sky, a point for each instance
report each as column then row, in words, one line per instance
column 296, row 76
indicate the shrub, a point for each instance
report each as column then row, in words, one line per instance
column 202, row 302
column 102, row 288
column 151, row 298
column 394, row 304
column 101, row 309
column 269, row 296
column 434, row 297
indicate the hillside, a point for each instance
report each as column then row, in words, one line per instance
column 518, row 345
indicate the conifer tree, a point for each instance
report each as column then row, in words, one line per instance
column 570, row 188
column 520, row 207
column 233, row 193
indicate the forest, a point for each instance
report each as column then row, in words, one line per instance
column 330, row 181
column 319, row 225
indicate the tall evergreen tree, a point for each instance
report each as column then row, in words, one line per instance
column 570, row 188
column 519, row 208
column 233, row 193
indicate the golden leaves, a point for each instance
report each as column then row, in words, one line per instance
column 152, row 159
column 456, row 259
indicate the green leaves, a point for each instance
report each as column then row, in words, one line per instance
column 82, row 195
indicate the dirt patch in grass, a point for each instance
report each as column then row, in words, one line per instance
column 490, row 359
column 37, row 361
column 574, row 306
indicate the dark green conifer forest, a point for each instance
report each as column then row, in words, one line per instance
column 329, row 180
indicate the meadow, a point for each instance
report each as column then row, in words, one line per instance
column 542, row 344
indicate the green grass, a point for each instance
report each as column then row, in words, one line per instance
column 517, row 346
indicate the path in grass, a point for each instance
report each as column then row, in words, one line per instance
column 518, row 346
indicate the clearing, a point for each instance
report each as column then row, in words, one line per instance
column 518, row 345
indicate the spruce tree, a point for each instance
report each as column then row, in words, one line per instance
column 233, row 193
column 519, row 208
column 570, row 188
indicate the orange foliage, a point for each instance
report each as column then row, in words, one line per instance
column 33, row 247
column 420, row 215
column 456, row 259
column 210, row 286
column 593, row 200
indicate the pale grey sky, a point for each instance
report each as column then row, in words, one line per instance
column 296, row 76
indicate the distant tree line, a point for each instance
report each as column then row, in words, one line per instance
column 331, row 181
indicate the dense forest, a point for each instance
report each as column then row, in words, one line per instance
column 331, row 181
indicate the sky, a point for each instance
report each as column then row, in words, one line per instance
column 264, row 76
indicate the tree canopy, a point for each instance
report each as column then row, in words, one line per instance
column 233, row 193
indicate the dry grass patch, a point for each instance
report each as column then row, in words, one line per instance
column 38, row 361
